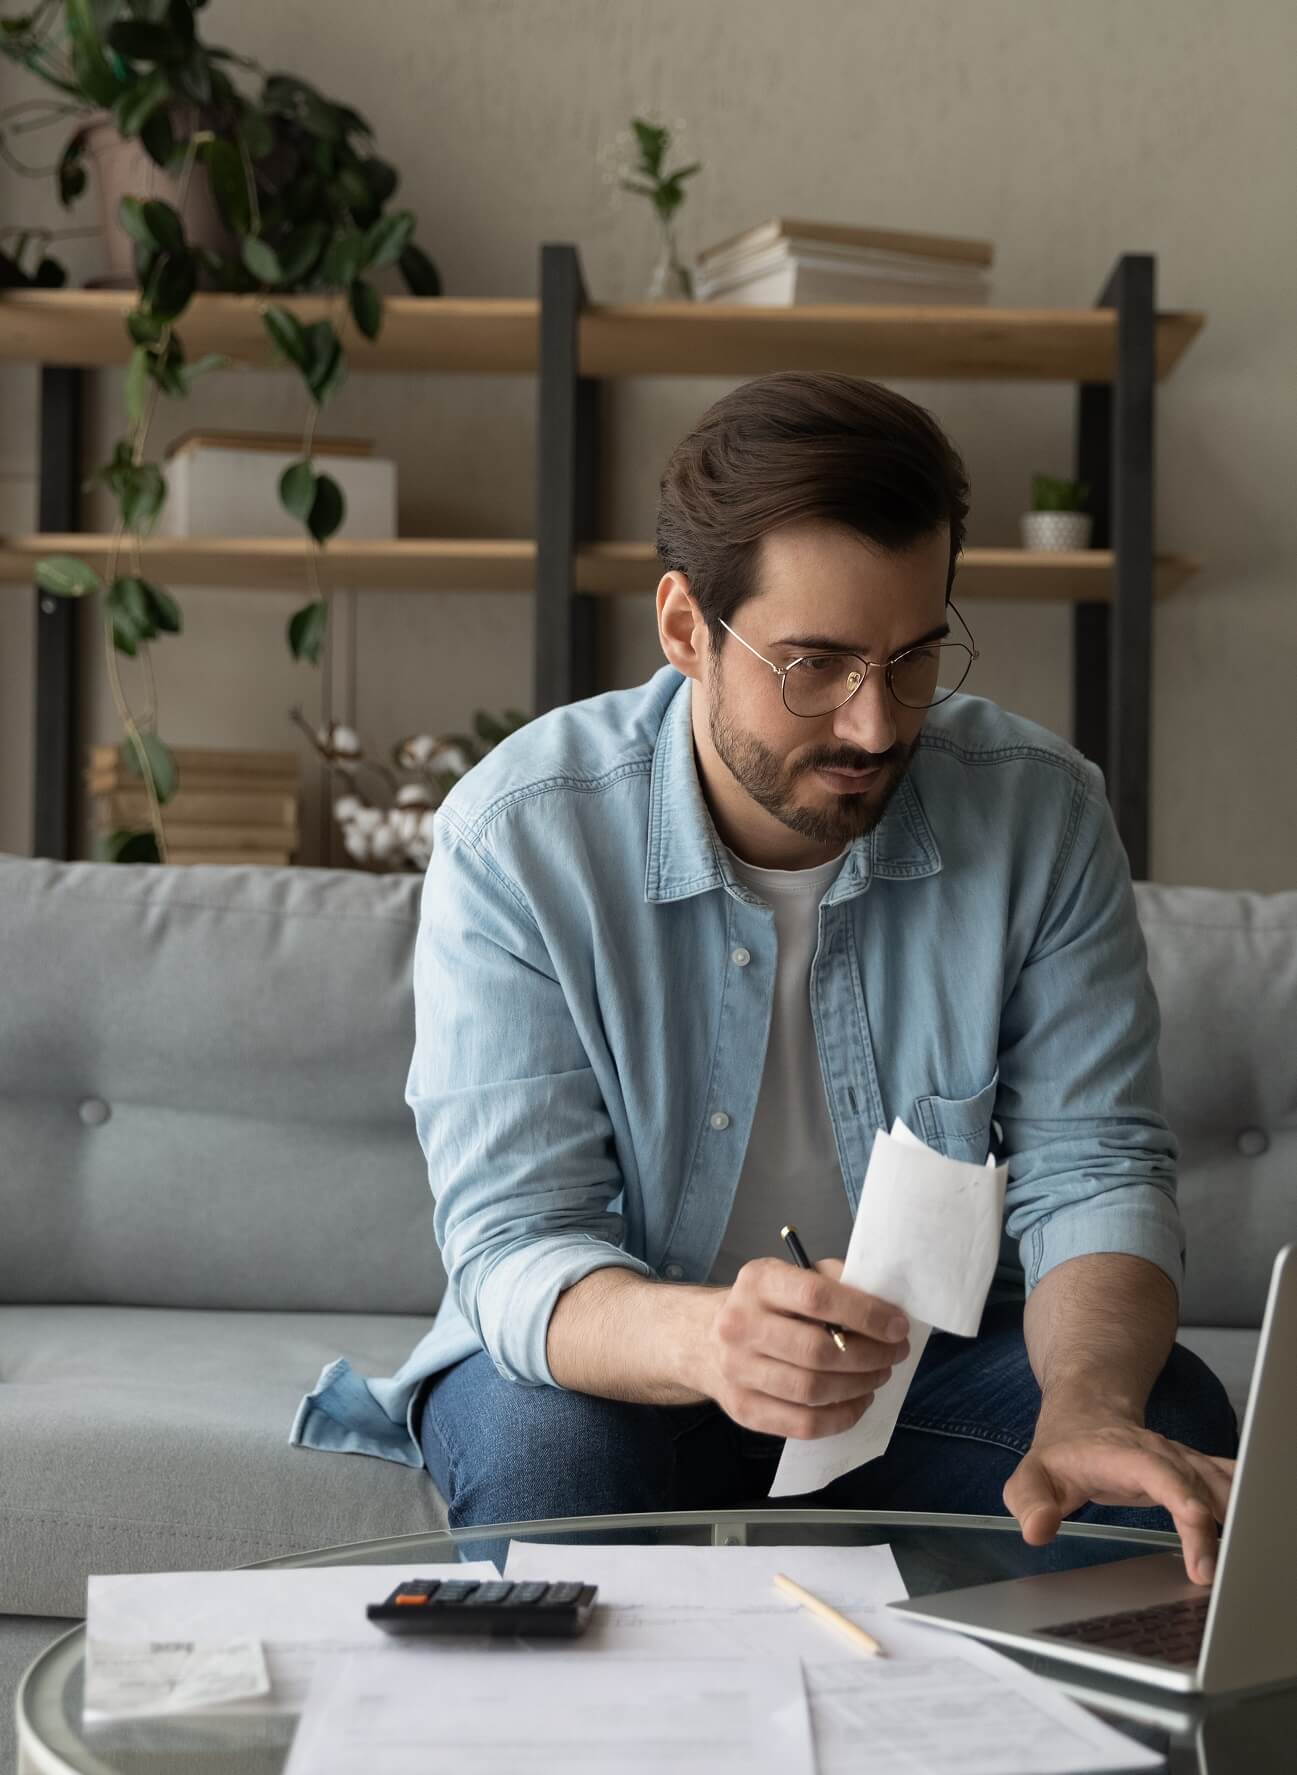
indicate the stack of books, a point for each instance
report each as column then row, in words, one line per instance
column 785, row 262
column 229, row 807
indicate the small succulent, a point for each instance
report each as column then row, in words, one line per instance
column 1050, row 495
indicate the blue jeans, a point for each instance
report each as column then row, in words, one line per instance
column 504, row 1453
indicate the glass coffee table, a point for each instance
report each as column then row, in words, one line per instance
column 934, row 1553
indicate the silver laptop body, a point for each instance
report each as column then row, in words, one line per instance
column 1250, row 1635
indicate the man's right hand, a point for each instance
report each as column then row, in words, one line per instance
column 769, row 1363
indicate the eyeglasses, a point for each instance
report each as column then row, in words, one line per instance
column 920, row 678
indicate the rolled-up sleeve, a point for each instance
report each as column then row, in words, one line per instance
column 516, row 1135
column 1091, row 1159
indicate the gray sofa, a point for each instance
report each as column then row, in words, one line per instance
column 210, row 1187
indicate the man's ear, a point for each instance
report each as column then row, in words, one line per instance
column 681, row 628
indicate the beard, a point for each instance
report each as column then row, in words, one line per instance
column 774, row 784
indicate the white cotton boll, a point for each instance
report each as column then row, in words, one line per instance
column 367, row 819
column 412, row 795
column 346, row 742
column 407, row 826
column 346, row 807
column 383, row 842
column 427, row 827
column 453, row 758
column 356, row 844
column 419, row 748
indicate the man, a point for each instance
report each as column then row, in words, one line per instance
column 683, row 948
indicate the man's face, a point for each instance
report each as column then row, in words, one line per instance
column 819, row 583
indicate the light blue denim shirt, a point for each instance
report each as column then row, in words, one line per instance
column 593, row 991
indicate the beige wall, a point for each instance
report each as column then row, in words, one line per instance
column 1064, row 134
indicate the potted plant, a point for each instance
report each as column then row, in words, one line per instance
column 1057, row 520
column 672, row 279
column 299, row 202
column 395, row 833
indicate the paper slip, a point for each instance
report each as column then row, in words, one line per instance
column 299, row 1618
column 461, row 1715
column 937, row 1702
column 125, row 1681
column 926, row 1238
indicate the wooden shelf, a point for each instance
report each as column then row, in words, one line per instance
column 483, row 335
column 606, row 569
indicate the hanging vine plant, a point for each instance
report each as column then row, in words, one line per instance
column 304, row 203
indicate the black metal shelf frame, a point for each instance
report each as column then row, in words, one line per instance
column 1112, row 643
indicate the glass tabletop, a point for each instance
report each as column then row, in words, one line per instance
column 934, row 1553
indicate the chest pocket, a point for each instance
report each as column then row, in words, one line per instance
column 959, row 1127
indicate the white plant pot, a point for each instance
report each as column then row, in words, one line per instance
column 1056, row 530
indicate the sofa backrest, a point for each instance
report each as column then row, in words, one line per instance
column 1223, row 963
column 202, row 1078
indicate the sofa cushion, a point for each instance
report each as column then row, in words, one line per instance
column 136, row 1439
column 1223, row 963
column 1230, row 1352
column 202, row 1089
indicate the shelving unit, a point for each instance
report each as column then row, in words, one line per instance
column 1115, row 352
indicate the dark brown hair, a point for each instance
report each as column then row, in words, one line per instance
column 802, row 444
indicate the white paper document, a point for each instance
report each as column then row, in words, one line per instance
column 926, row 1238
column 936, row 1702
column 466, row 1715
column 127, row 1681
column 141, row 1628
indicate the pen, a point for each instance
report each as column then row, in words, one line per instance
column 789, row 1236
column 865, row 1641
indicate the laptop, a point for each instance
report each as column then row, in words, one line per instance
column 1142, row 1619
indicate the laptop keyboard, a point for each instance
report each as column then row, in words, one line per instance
column 1171, row 1631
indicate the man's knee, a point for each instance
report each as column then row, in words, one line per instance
column 511, row 1453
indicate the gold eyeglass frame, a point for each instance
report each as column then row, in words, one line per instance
column 885, row 666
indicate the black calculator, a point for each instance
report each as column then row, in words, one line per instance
column 474, row 1605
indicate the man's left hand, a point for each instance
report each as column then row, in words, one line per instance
column 1077, row 1462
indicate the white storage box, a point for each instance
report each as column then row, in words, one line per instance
column 227, row 484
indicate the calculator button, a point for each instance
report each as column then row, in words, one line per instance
column 529, row 1592
column 559, row 1594
column 456, row 1590
column 495, row 1592
column 418, row 1597
column 416, row 1587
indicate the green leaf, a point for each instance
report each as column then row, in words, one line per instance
column 366, row 307
column 288, row 335
column 142, row 42
column 381, row 178
column 143, row 327
column 210, row 360
column 145, row 495
column 172, row 282
column 325, row 367
column 262, row 260
column 71, row 169
column 50, row 274
column 129, row 606
column 388, row 238
column 258, row 137
column 158, row 139
column 130, row 213
column 89, row 64
column 66, row 577
column 421, row 275
column 164, row 225
column 162, row 764
column 297, row 489
column 487, row 729
column 306, row 631
column 229, row 185
column 166, row 612
column 327, row 509
column 302, row 250
column 138, row 103
column 125, row 846
column 341, row 262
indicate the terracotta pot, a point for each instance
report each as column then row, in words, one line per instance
column 124, row 169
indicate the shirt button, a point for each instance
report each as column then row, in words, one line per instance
column 94, row 1112
column 673, row 1271
column 720, row 1120
column 740, row 957
column 1252, row 1142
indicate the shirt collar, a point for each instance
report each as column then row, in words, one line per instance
column 685, row 853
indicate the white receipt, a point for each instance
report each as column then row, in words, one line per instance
column 926, row 1238
column 125, row 1679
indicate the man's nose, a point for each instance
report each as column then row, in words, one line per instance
column 868, row 719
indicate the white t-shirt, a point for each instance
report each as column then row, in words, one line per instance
column 791, row 1170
